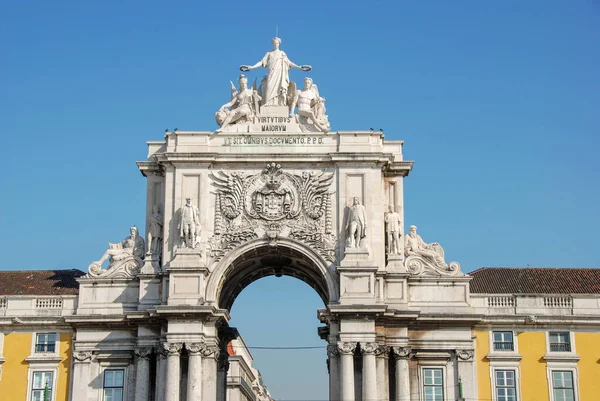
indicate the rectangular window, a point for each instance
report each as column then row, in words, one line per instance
column 113, row 384
column 560, row 342
column 506, row 388
column 562, row 386
column 433, row 385
column 45, row 342
column 503, row 341
column 41, row 390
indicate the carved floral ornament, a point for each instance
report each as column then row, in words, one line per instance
column 346, row 348
column 143, row 352
column 401, row 352
column 272, row 204
column 83, row 356
column 465, row 354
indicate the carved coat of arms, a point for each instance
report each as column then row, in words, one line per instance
column 274, row 204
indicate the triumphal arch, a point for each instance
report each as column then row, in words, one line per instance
column 274, row 190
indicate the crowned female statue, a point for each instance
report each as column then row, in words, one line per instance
column 278, row 78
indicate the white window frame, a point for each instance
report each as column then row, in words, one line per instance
column 571, row 339
column 34, row 336
column 115, row 366
column 2, row 359
column 422, row 380
column 514, row 340
column 506, row 366
column 42, row 368
column 558, row 367
column 447, row 382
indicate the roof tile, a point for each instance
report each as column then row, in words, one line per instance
column 39, row 282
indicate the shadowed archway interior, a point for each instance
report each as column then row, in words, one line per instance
column 266, row 261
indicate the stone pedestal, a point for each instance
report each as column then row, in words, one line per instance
column 188, row 258
column 395, row 264
column 466, row 373
column 81, row 374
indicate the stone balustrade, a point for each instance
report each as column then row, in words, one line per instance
column 546, row 304
column 20, row 305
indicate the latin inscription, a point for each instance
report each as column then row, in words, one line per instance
column 273, row 140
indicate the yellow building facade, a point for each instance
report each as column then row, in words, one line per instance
column 540, row 337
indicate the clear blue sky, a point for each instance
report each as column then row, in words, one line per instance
column 498, row 104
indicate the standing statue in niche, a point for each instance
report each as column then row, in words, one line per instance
column 392, row 229
column 274, row 90
column 130, row 246
column 356, row 225
column 155, row 233
column 414, row 245
column 311, row 107
column 189, row 224
column 244, row 105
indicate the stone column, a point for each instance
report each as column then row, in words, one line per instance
column 161, row 373
column 142, row 373
column 194, row 390
column 369, row 376
column 173, row 374
column 333, row 354
column 346, row 351
column 210, row 354
column 81, row 374
column 383, row 377
column 466, row 373
column 402, row 354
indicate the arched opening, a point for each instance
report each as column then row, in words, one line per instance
column 279, row 312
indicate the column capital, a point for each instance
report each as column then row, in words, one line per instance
column 332, row 350
column 346, row 348
column 143, row 352
column 83, row 356
column 383, row 351
column 369, row 348
column 401, row 352
column 465, row 354
column 172, row 348
column 194, row 348
column 209, row 350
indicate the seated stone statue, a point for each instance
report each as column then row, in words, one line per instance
column 243, row 106
column 130, row 246
column 311, row 106
column 432, row 254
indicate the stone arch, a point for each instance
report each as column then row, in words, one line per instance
column 260, row 258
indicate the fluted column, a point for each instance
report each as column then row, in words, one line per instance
column 210, row 355
column 383, row 377
column 369, row 382
column 346, row 351
column 333, row 354
column 142, row 375
column 173, row 374
column 194, row 389
column 402, row 354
